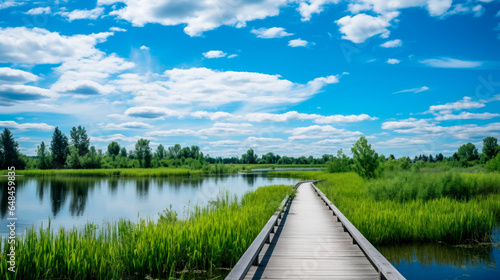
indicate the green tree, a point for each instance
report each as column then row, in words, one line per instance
column 365, row 158
column 80, row 140
column 113, row 149
column 143, row 152
column 74, row 161
column 490, row 147
column 43, row 156
column 123, row 152
column 9, row 151
column 161, row 153
column 249, row 157
column 174, row 151
column 60, row 148
column 340, row 163
column 467, row 152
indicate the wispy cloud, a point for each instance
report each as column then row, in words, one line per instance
column 447, row 62
column 273, row 32
column 297, row 43
column 413, row 90
column 214, row 54
column 392, row 44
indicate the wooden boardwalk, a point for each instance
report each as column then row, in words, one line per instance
column 311, row 243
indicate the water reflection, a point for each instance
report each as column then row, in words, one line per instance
column 439, row 254
column 74, row 201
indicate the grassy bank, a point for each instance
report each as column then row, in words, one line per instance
column 422, row 207
column 212, row 237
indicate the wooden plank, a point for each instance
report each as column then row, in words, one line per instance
column 385, row 268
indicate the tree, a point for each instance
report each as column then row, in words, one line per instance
column 44, row 157
column 340, row 163
column 174, row 151
column 143, row 152
column 250, row 157
column 9, row 151
column 467, row 152
column 80, row 140
column 160, row 152
column 123, row 152
column 74, row 160
column 365, row 158
column 113, row 149
column 60, row 148
column 490, row 147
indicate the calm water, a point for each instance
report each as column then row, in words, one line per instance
column 75, row 201
column 71, row 201
column 445, row 262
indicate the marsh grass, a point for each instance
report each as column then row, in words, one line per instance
column 441, row 207
column 212, row 237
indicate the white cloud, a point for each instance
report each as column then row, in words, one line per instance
column 451, row 63
column 317, row 131
column 148, row 112
column 309, row 7
column 10, row 94
column 218, row 129
column 336, row 141
column 81, row 87
column 83, row 14
column 116, row 137
column 26, row 126
column 214, row 54
column 232, row 56
column 345, row 119
column 198, row 16
column 144, row 48
column 392, row 44
column 360, row 27
column 393, row 61
column 297, row 43
column 465, row 103
column 40, row 46
column 225, row 143
column 405, row 124
column 273, row 32
column 39, row 11
column 204, row 87
column 403, row 142
column 10, row 3
column 413, row 90
column 214, row 116
column 434, row 7
column 15, row 76
column 468, row 131
column 127, row 125
column 117, row 29
column 467, row 116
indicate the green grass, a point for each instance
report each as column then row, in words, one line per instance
column 211, row 237
column 451, row 208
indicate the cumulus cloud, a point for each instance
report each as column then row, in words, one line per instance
column 207, row 88
column 360, row 27
column 465, row 103
column 467, row 116
column 127, row 125
column 318, row 131
column 116, row 137
column 214, row 54
column 405, row 124
column 413, row 90
column 148, row 112
column 392, row 44
column 297, row 43
column 40, row 46
column 273, row 32
column 308, row 7
column 198, row 16
column 26, row 126
column 451, row 63
column 83, row 14
column 393, row 61
column 434, row 7
column 218, row 129
column 81, row 87
column 117, row 29
column 11, row 94
column 14, row 76
column 39, row 11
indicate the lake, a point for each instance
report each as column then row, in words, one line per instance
column 74, row 201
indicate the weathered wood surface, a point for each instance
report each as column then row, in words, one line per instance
column 311, row 244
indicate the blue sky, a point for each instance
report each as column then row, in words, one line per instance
column 301, row 77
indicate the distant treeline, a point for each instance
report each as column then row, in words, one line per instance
column 76, row 152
